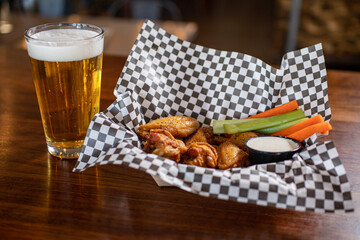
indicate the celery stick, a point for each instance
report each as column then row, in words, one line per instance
column 264, row 122
column 218, row 125
column 279, row 127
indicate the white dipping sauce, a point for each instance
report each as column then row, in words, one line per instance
column 271, row 144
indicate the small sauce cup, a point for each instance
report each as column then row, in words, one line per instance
column 268, row 149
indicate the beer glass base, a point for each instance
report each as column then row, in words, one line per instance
column 64, row 153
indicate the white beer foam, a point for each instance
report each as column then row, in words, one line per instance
column 64, row 45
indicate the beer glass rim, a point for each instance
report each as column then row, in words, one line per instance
column 50, row 26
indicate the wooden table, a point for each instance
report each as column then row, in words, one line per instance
column 41, row 198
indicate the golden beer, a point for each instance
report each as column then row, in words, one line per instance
column 66, row 67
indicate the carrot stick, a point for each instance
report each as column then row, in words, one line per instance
column 286, row 107
column 304, row 133
column 287, row 131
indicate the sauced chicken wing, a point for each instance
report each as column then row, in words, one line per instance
column 163, row 144
column 230, row 155
column 201, row 154
column 203, row 134
column 178, row 126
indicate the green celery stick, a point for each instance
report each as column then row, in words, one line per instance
column 264, row 122
column 218, row 125
column 279, row 127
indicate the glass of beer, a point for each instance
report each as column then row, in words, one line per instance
column 66, row 62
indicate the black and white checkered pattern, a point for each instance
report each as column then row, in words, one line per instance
column 165, row 76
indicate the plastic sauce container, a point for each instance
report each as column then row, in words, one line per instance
column 267, row 149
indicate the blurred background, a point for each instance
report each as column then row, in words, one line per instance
column 265, row 29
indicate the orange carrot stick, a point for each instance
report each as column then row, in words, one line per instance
column 287, row 131
column 286, row 107
column 304, row 133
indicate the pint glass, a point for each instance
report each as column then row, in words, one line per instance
column 66, row 62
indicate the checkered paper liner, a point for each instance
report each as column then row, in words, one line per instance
column 166, row 76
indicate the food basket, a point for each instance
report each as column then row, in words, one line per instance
column 166, row 76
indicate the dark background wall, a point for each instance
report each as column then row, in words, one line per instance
column 257, row 27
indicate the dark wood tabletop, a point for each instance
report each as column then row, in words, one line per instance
column 41, row 198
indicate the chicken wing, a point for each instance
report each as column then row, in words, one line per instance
column 201, row 154
column 163, row 144
column 238, row 139
column 217, row 139
column 178, row 126
column 230, row 155
column 203, row 134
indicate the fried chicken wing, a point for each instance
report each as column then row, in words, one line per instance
column 178, row 126
column 203, row 134
column 239, row 139
column 201, row 154
column 230, row 155
column 217, row 140
column 163, row 144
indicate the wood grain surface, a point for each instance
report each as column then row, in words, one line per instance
column 41, row 198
